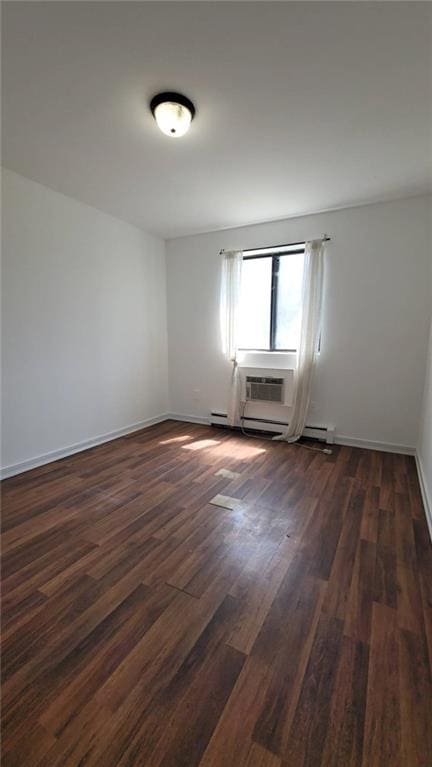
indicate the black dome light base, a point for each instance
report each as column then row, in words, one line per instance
column 176, row 98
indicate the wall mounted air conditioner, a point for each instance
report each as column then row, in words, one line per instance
column 264, row 389
column 267, row 387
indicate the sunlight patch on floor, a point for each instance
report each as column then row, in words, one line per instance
column 201, row 444
column 175, row 439
column 239, row 451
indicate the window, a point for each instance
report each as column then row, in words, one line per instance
column 270, row 299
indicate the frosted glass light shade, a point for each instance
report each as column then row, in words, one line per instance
column 173, row 113
column 173, row 119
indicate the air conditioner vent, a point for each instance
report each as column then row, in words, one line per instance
column 264, row 389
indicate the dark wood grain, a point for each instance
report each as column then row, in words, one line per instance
column 312, row 716
column 382, row 735
column 344, row 738
column 143, row 626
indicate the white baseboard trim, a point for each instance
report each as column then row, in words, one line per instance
column 339, row 439
column 386, row 447
column 64, row 452
column 427, row 501
column 188, row 418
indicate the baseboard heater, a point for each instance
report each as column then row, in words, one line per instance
column 323, row 433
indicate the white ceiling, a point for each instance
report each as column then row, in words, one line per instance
column 300, row 106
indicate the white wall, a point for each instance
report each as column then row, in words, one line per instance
column 424, row 450
column 84, row 322
column 424, row 447
column 370, row 375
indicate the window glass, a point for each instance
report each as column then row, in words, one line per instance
column 255, row 324
column 289, row 295
column 255, row 297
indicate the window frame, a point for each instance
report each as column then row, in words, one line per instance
column 275, row 254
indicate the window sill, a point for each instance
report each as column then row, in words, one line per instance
column 268, row 351
column 267, row 359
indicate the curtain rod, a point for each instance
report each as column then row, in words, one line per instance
column 325, row 238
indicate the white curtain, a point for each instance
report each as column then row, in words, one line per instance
column 309, row 339
column 230, row 300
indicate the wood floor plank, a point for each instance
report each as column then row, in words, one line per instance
column 308, row 732
column 362, row 590
column 259, row 757
column 323, row 533
column 415, row 694
column 343, row 564
column 404, row 532
column 144, row 626
column 256, row 594
column 409, row 600
column 369, row 523
column 57, row 662
column 284, row 643
column 211, row 665
column 386, row 563
column 344, row 739
column 232, row 739
column 79, row 739
column 30, row 749
column 128, row 624
column 382, row 738
column 424, row 571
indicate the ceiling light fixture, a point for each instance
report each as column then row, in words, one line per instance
column 173, row 113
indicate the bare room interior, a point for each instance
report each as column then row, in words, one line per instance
column 216, row 384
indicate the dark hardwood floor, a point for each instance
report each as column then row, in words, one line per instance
column 143, row 626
